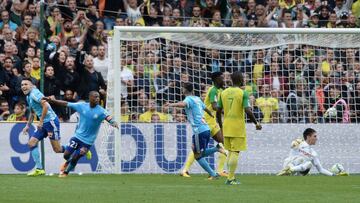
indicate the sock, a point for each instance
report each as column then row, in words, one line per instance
column 232, row 164
column 190, row 160
column 209, row 151
column 70, row 167
column 205, row 165
column 36, row 156
column 221, row 163
column 62, row 148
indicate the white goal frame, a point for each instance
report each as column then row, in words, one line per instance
column 116, row 52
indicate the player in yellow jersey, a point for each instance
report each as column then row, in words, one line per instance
column 235, row 103
column 211, row 104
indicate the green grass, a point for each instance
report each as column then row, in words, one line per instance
column 173, row 189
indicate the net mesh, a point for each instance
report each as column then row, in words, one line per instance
column 291, row 78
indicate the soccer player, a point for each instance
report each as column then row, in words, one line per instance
column 91, row 117
column 211, row 104
column 194, row 109
column 302, row 157
column 48, row 125
column 235, row 103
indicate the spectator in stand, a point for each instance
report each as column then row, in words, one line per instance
column 267, row 103
column 132, row 9
column 274, row 80
column 5, row 17
column 102, row 62
column 146, row 117
column 324, row 15
column 27, row 20
column 66, row 112
column 155, row 118
column 196, row 16
column 90, row 79
column 19, row 113
column 355, row 110
column 259, row 68
column 125, row 116
column 298, row 102
column 4, row 110
column 127, row 79
column 335, row 100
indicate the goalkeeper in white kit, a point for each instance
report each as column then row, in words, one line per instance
column 302, row 157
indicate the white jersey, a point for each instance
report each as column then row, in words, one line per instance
column 301, row 153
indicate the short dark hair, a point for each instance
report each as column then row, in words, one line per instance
column 215, row 75
column 308, row 132
column 237, row 78
column 28, row 79
column 189, row 87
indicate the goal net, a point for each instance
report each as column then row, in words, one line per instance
column 293, row 77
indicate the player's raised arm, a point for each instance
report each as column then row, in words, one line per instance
column 112, row 122
column 178, row 104
column 55, row 101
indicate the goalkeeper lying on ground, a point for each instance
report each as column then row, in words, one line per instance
column 302, row 157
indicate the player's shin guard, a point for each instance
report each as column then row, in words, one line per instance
column 205, row 165
column 209, row 151
column 232, row 164
column 190, row 160
column 221, row 163
column 36, row 156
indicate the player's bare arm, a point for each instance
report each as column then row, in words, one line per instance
column 55, row 101
column 218, row 116
column 178, row 104
column 45, row 107
column 208, row 112
column 249, row 112
column 112, row 122
column 28, row 123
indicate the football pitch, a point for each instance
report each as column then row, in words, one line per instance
column 173, row 188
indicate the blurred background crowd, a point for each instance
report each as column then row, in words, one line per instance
column 297, row 84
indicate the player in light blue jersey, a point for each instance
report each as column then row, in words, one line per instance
column 48, row 125
column 194, row 109
column 91, row 117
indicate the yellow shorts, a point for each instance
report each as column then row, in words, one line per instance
column 235, row 143
column 214, row 127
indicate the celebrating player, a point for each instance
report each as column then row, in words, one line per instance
column 48, row 125
column 234, row 100
column 302, row 157
column 91, row 116
column 194, row 109
column 211, row 104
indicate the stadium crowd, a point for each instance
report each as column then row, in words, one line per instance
column 286, row 84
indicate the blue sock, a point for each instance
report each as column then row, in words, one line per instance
column 36, row 156
column 210, row 151
column 70, row 167
column 205, row 165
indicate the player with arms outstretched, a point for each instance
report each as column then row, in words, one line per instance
column 194, row 109
column 235, row 103
column 211, row 104
column 91, row 116
column 48, row 125
column 302, row 157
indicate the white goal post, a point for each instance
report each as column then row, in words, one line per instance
column 227, row 41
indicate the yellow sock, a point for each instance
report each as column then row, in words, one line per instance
column 221, row 162
column 232, row 164
column 190, row 160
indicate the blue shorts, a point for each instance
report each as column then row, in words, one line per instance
column 51, row 126
column 201, row 141
column 75, row 144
